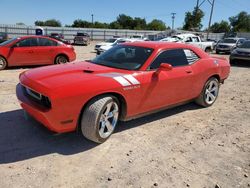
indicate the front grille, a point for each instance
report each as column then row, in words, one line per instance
column 223, row 46
column 37, row 97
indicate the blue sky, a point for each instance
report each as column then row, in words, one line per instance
column 28, row 11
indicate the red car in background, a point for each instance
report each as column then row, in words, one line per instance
column 125, row 82
column 34, row 50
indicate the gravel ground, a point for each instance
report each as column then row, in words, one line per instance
column 187, row 146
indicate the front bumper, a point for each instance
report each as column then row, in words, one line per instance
column 47, row 117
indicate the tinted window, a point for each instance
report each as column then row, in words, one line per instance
column 191, row 56
column 27, row 42
column 124, row 57
column 46, row 42
column 229, row 41
column 246, row 44
column 8, row 41
column 175, row 57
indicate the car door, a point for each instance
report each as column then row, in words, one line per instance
column 168, row 87
column 23, row 52
column 47, row 50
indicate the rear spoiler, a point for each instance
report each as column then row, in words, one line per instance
column 222, row 58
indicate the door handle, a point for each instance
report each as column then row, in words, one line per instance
column 188, row 71
column 31, row 51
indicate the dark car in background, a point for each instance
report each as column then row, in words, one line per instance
column 82, row 39
column 241, row 53
column 60, row 37
column 3, row 37
column 228, row 44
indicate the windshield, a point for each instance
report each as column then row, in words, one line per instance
column 232, row 41
column 111, row 40
column 124, row 57
column 8, row 41
column 245, row 45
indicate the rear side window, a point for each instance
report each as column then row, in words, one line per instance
column 175, row 57
column 191, row 56
column 47, row 42
column 29, row 42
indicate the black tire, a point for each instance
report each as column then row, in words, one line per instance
column 93, row 118
column 217, row 51
column 3, row 63
column 61, row 59
column 203, row 99
column 208, row 50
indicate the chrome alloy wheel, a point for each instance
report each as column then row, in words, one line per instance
column 211, row 92
column 2, row 63
column 108, row 119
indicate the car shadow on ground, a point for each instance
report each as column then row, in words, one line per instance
column 22, row 139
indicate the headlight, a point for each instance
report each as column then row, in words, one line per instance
column 234, row 51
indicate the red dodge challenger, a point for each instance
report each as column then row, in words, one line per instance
column 34, row 50
column 125, row 82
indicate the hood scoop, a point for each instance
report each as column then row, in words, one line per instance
column 88, row 71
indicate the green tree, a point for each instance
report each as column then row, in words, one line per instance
column 126, row 22
column 51, row 22
column 193, row 20
column 115, row 25
column 240, row 22
column 139, row 23
column 222, row 27
column 39, row 23
column 81, row 23
column 157, row 25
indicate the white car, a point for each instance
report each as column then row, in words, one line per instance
column 118, row 41
column 196, row 41
column 171, row 39
column 108, row 42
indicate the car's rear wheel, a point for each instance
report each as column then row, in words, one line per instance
column 209, row 93
column 3, row 63
column 61, row 59
column 100, row 118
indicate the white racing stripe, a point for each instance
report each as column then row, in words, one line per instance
column 132, row 79
column 122, row 81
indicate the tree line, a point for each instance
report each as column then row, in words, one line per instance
column 122, row 22
column 192, row 22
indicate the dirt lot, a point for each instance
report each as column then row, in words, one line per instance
column 187, row 146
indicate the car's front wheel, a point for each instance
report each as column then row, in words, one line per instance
column 100, row 118
column 209, row 93
column 3, row 63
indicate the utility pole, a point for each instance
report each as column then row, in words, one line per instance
column 211, row 15
column 173, row 17
column 92, row 18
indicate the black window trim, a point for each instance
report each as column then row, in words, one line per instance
column 148, row 68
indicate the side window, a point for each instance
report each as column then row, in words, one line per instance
column 29, row 42
column 175, row 57
column 46, row 42
column 188, row 39
column 191, row 56
column 195, row 39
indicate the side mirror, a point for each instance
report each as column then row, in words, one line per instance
column 165, row 67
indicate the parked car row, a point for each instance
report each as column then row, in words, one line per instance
column 34, row 50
